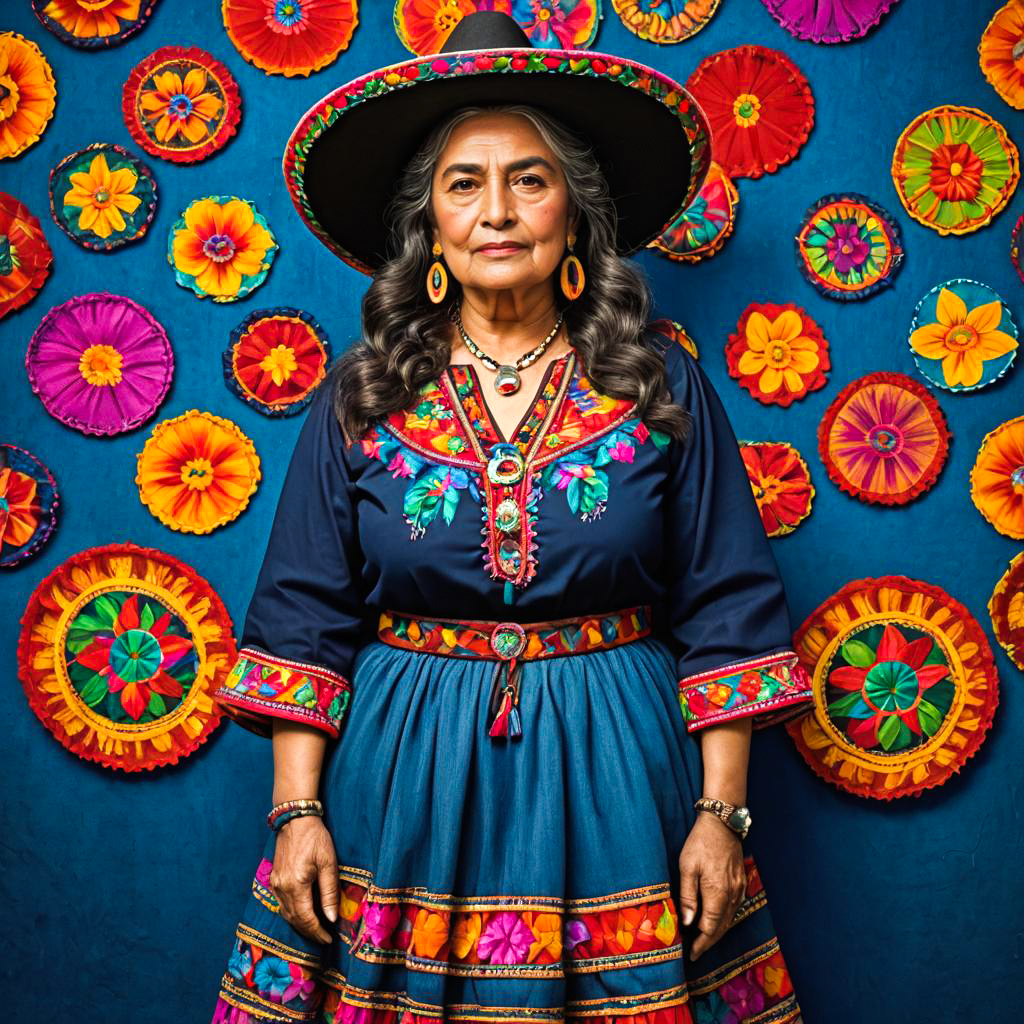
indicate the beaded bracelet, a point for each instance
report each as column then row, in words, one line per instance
column 288, row 809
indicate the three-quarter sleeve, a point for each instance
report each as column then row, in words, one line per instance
column 727, row 610
column 305, row 618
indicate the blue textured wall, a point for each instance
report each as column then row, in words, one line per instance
column 120, row 894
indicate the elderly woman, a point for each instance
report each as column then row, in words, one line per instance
column 518, row 614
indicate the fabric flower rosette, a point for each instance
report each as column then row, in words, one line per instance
column 781, row 483
column 196, row 472
column 848, row 246
column 701, row 229
column 828, row 21
column 121, row 648
column 25, row 255
column 221, row 247
column 997, row 478
column 28, row 94
column 290, row 37
column 181, row 104
column 999, row 53
column 778, row 353
column 102, row 197
column 665, row 21
column 884, row 439
column 93, row 24
column 905, row 687
column 276, row 359
column 963, row 336
column 1006, row 610
column 954, row 169
column 100, row 363
column 28, row 505
column 424, row 25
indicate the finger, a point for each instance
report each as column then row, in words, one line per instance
column 327, row 883
column 306, row 920
column 688, row 879
column 714, row 903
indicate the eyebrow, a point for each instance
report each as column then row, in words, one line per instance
column 516, row 165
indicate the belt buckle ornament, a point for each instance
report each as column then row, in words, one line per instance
column 508, row 640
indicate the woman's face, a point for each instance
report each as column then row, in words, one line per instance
column 500, row 203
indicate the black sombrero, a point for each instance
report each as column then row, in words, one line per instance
column 345, row 156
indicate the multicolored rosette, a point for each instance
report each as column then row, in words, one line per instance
column 778, row 353
column 181, row 104
column 1006, row 609
column 759, row 105
column 781, row 483
column 28, row 505
column 25, row 255
column 884, row 439
column 290, row 37
column 828, row 21
column 954, row 169
column 102, row 197
column 100, row 363
column 963, row 336
column 905, row 687
column 276, row 360
column 997, row 478
column 91, row 25
column 702, row 228
column 29, row 94
column 848, row 246
column 661, row 22
column 120, row 651
column 999, row 53
column 424, row 25
column 197, row 472
column 221, row 247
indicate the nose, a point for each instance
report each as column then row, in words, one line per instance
column 496, row 210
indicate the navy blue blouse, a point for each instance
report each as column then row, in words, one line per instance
column 612, row 515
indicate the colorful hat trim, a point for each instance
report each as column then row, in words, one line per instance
column 28, row 505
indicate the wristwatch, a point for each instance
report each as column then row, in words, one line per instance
column 737, row 818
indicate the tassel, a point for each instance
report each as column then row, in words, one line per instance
column 499, row 727
column 507, row 721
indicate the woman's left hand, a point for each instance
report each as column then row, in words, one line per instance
column 711, row 864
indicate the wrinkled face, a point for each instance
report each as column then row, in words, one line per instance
column 500, row 204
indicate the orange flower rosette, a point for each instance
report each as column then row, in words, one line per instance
column 28, row 93
column 997, row 479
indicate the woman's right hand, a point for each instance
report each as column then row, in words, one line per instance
column 304, row 854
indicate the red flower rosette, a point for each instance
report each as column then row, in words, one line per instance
column 25, row 255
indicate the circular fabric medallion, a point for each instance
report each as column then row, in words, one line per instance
column 1006, row 609
column 674, row 330
column 276, row 359
column 28, row 93
column 781, row 483
column 92, row 24
column 28, row 505
column 905, row 687
column 661, row 22
column 884, row 439
column 1015, row 245
column 963, row 336
column 759, row 105
column 25, row 255
column 181, row 104
column 1001, row 53
column 848, row 246
column 997, row 479
column 221, row 247
column 828, row 21
column 702, row 228
column 778, row 353
column 120, row 652
column 102, row 197
column 289, row 37
column 954, row 168
column 100, row 363
column 197, row 471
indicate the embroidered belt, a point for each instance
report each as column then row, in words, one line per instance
column 511, row 643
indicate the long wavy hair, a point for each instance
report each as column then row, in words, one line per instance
column 406, row 338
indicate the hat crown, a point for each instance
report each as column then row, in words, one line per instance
column 486, row 30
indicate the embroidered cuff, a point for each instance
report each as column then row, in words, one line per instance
column 260, row 687
column 767, row 688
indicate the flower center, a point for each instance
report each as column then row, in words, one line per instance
column 955, row 168
column 543, row 15
column 280, row 363
column 4, row 506
column 891, row 686
column 779, row 354
column 219, row 248
column 288, row 12
column 179, row 106
column 766, row 488
column 746, row 108
column 886, row 439
column 8, row 256
column 962, row 336
column 8, row 96
column 1017, row 478
column 102, row 195
column 135, row 655
column 197, row 474
column 100, row 365
column 447, row 16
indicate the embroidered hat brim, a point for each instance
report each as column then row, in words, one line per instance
column 345, row 156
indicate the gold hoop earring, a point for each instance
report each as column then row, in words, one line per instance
column 572, row 278
column 437, row 276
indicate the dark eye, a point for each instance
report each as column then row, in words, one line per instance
column 531, row 179
column 461, row 181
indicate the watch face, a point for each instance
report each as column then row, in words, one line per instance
column 739, row 819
